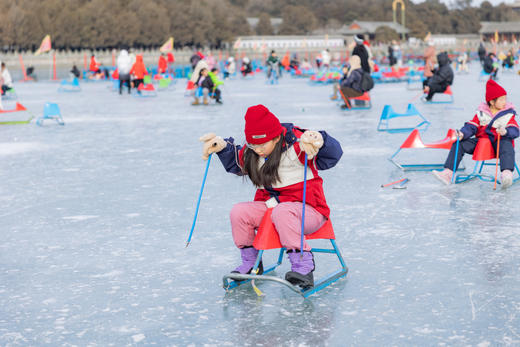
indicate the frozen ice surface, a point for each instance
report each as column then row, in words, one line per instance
column 94, row 218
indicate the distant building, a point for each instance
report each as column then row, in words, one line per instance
column 368, row 29
column 515, row 6
column 296, row 42
column 275, row 23
column 507, row 31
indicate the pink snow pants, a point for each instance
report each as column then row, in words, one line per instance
column 286, row 217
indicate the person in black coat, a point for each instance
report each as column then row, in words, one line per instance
column 509, row 60
column 442, row 77
column 489, row 66
column 481, row 53
column 361, row 51
column 391, row 58
column 351, row 85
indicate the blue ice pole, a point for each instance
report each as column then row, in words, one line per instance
column 198, row 202
column 303, row 205
column 455, row 160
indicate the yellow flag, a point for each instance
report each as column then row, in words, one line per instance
column 427, row 37
column 168, row 46
column 45, row 46
column 496, row 36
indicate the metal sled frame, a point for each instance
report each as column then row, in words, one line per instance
column 483, row 151
column 414, row 141
column 268, row 238
column 477, row 173
column 388, row 113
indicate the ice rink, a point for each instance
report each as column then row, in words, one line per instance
column 95, row 215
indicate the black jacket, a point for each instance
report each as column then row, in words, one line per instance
column 481, row 51
column 354, row 80
column 443, row 75
column 206, row 83
column 362, row 53
column 487, row 65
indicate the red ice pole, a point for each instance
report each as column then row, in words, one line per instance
column 54, row 66
column 23, row 68
column 113, row 58
column 392, row 183
column 85, row 61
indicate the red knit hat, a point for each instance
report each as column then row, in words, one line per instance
column 261, row 125
column 494, row 90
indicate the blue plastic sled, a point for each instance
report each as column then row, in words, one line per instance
column 70, row 86
column 389, row 113
column 51, row 111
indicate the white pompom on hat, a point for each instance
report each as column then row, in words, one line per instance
column 359, row 39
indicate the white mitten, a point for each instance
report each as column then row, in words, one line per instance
column 212, row 144
column 311, row 142
column 502, row 131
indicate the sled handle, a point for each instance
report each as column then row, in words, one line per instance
column 304, row 200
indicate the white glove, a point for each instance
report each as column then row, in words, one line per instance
column 212, row 144
column 502, row 131
column 311, row 142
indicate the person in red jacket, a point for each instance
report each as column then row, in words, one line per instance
column 273, row 159
column 171, row 60
column 162, row 65
column 94, row 65
column 493, row 117
column 138, row 71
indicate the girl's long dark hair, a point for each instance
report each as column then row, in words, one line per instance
column 267, row 175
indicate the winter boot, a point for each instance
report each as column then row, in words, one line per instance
column 444, row 176
column 249, row 255
column 205, row 101
column 196, row 102
column 507, row 179
column 301, row 269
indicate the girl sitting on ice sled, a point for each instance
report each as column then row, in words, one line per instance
column 495, row 116
column 273, row 158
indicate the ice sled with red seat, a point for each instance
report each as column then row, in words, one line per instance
column 362, row 102
column 267, row 238
column 146, row 90
column 446, row 99
column 17, row 115
column 414, row 141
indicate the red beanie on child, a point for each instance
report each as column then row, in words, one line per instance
column 261, row 125
column 494, row 90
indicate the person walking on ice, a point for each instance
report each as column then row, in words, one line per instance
column 493, row 117
column 273, row 159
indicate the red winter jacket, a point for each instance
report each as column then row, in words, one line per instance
column 94, row 65
column 290, row 187
column 138, row 69
column 485, row 124
column 163, row 65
